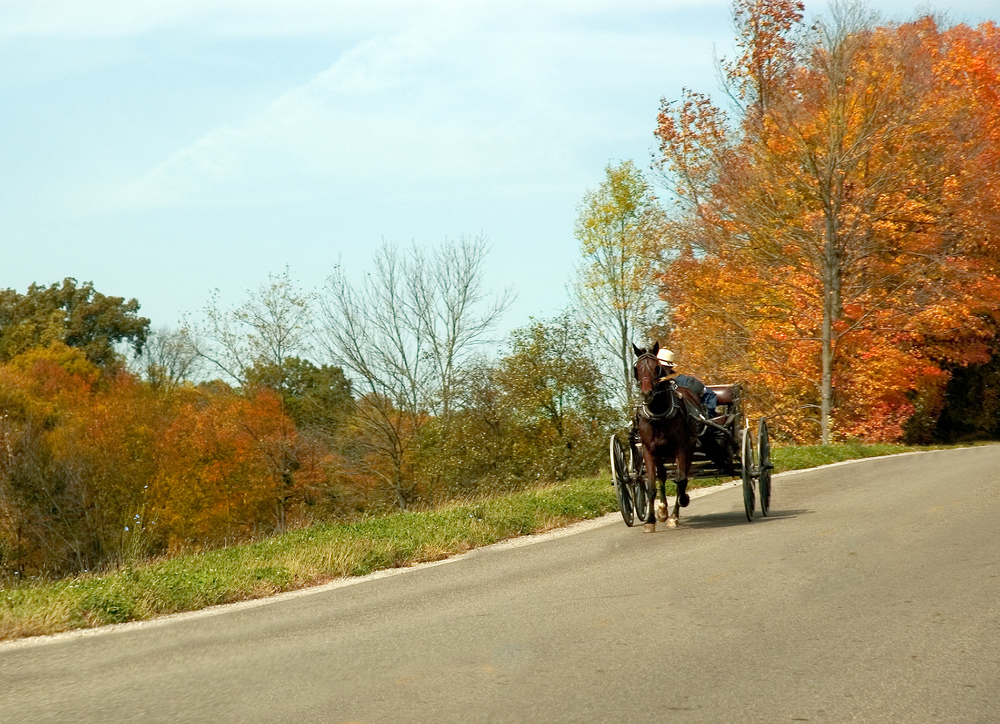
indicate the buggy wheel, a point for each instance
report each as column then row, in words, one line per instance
column 620, row 477
column 746, row 468
column 644, row 505
column 637, row 469
column 764, row 460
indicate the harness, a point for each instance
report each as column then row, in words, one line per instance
column 695, row 421
column 644, row 410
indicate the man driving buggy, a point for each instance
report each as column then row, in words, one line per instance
column 705, row 394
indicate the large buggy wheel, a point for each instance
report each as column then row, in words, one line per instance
column 764, row 462
column 620, row 477
column 747, row 471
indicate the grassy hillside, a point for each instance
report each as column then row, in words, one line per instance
column 324, row 552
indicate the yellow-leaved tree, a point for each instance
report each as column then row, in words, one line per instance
column 620, row 229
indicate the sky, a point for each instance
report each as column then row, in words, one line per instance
column 167, row 148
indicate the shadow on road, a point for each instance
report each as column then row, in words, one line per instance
column 726, row 520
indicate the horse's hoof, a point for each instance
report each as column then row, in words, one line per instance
column 672, row 522
column 649, row 528
column 661, row 511
column 685, row 500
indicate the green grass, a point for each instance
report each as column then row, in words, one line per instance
column 323, row 552
column 293, row 560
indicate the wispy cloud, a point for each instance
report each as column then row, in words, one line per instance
column 436, row 102
column 351, row 119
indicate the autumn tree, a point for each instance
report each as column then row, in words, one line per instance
column 620, row 228
column 106, row 447
column 834, row 205
column 228, row 468
column 100, row 469
column 76, row 315
column 43, row 502
column 404, row 337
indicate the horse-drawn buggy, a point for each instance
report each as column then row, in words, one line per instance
column 672, row 426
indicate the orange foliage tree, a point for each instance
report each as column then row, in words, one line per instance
column 229, row 466
column 107, row 445
column 98, row 468
column 42, row 502
column 836, row 247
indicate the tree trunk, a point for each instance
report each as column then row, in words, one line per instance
column 626, row 357
column 831, row 311
column 826, row 385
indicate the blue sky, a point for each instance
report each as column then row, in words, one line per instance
column 166, row 148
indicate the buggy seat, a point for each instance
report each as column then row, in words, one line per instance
column 729, row 396
column 725, row 393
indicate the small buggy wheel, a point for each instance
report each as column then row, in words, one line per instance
column 643, row 505
column 747, row 470
column 620, row 477
column 764, row 456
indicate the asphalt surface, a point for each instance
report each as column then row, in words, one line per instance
column 870, row 594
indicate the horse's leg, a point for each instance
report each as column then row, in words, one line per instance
column 683, row 468
column 662, row 509
column 682, row 499
column 649, row 521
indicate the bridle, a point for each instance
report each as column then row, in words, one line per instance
column 651, row 373
column 658, row 386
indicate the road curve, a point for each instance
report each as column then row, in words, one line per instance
column 869, row 595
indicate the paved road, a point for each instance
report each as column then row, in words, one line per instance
column 870, row 596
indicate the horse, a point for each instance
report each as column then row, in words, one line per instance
column 668, row 427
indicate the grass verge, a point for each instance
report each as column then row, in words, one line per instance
column 293, row 560
column 320, row 553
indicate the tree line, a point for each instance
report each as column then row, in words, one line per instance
column 118, row 443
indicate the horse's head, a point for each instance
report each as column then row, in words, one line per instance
column 647, row 369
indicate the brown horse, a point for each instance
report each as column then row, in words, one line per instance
column 667, row 423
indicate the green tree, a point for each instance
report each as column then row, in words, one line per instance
column 78, row 316
column 620, row 228
column 558, row 414
column 538, row 414
column 314, row 397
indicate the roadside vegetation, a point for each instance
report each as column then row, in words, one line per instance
column 321, row 553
